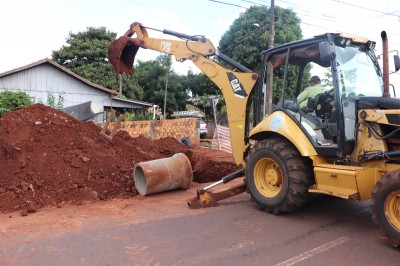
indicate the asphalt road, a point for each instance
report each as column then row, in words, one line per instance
column 162, row 230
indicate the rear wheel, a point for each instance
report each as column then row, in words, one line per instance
column 277, row 176
column 385, row 205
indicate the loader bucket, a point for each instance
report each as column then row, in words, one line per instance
column 121, row 54
column 205, row 199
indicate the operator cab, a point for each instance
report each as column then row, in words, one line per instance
column 349, row 71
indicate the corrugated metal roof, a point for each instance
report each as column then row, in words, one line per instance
column 192, row 113
column 60, row 67
column 133, row 101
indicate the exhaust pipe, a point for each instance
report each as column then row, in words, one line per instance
column 385, row 56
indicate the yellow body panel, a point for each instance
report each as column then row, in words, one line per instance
column 344, row 181
column 235, row 105
column 281, row 123
column 389, row 167
column 354, row 38
column 367, row 142
column 180, row 49
column 378, row 116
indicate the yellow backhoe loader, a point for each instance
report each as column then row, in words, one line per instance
column 345, row 142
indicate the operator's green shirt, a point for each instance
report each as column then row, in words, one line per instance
column 311, row 91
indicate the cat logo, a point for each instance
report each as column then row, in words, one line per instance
column 237, row 87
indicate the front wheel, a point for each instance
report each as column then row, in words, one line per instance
column 385, row 206
column 277, row 176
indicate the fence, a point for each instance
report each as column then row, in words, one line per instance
column 157, row 129
column 221, row 139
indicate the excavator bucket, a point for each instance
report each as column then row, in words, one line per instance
column 117, row 126
column 121, row 54
column 205, row 199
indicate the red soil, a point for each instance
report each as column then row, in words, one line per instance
column 50, row 158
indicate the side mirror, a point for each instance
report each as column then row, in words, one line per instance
column 396, row 59
column 326, row 51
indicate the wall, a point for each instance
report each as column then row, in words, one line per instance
column 157, row 129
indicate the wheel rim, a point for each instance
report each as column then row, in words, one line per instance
column 392, row 209
column 268, row 177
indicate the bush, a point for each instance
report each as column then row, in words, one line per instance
column 3, row 111
column 11, row 100
column 51, row 101
column 131, row 116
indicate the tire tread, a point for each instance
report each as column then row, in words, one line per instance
column 390, row 179
column 299, row 173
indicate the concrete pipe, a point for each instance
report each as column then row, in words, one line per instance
column 163, row 174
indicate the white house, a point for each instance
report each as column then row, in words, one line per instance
column 82, row 97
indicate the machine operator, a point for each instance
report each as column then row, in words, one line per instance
column 314, row 88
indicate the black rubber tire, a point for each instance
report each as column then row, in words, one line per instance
column 293, row 172
column 385, row 206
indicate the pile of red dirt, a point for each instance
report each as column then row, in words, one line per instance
column 50, row 158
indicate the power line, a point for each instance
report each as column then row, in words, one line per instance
column 250, row 2
column 366, row 8
column 353, row 5
column 296, row 9
column 306, row 13
column 228, row 4
column 283, row 18
column 390, row 13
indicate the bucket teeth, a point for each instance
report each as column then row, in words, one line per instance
column 204, row 199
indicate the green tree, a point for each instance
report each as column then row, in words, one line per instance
column 86, row 55
column 152, row 76
column 203, row 103
column 327, row 81
column 248, row 35
column 10, row 100
column 200, row 84
column 201, row 87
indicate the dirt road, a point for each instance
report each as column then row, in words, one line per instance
column 161, row 230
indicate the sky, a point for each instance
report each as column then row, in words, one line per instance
column 31, row 29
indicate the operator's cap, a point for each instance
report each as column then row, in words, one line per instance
column 315, row 79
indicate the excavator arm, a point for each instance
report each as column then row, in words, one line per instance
column 123, row 50
column 234, row 85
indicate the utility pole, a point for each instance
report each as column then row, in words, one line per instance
column 271, row 37
column 120, row 85
column 165, row 96
column 271, row 25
